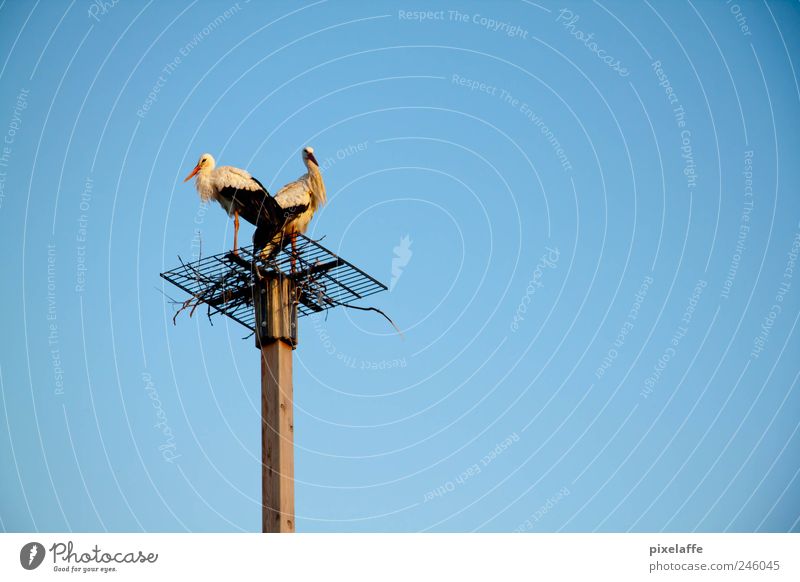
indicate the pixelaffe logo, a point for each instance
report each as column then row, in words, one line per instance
column 402, row 255
column 31, row 555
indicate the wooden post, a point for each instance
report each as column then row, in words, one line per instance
column 276, row 337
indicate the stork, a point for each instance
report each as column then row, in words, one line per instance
column 299, row 201
column 239, row 193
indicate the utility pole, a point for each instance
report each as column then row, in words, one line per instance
column 267, row 299
column 276, row 337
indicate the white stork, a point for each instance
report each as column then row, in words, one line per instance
column 238, row 193
column 299, row 200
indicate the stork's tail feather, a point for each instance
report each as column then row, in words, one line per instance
column 262, row 240
column 268, row 241
column 269, row 228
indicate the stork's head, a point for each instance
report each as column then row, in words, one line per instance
column 205, row 163
column 308, row 155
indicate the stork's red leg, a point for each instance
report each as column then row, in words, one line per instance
column 236, row 232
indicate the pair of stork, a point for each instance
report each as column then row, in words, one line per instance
column 277, row 218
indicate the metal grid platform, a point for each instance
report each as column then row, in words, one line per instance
column 225, row 282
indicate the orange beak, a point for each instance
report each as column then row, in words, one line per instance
column 190, row 176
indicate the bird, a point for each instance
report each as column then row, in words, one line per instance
column 299, row 200
column 239, row 194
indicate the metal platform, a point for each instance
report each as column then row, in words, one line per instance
column 225, row 282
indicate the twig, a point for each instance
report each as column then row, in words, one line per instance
column 360, row 308
column 318, row 287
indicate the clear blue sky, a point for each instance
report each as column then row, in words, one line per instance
column 599, row 296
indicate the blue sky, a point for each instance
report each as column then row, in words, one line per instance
column 599, row 293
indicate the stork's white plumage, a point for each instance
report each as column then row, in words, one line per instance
column 299, row 200
column 239, row 193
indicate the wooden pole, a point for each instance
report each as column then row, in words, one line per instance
column 276, row 337
column 277, row 439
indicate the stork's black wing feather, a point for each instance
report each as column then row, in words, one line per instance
column 266, row 234
column 260, row 185
column 255, row 206
column 293, row 211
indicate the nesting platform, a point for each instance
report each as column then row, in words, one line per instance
column 229, row 283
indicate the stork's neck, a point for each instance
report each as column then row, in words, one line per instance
column 204, row 183
column 317, row 185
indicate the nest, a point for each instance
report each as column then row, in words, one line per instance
column 225, row 282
